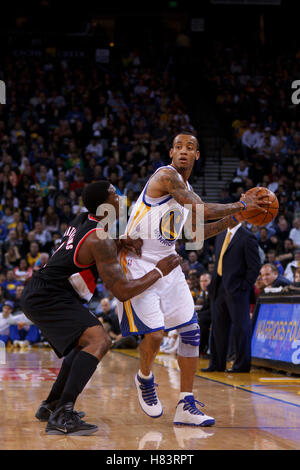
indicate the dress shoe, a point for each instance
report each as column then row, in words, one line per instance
column 233, row 371
column 212, row 369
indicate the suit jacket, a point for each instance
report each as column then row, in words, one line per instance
column 241, row 262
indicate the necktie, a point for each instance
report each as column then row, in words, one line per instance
column 224, row 248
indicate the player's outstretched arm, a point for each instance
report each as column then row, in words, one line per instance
column 214, row 228
column 172, row 182
column 104, row 253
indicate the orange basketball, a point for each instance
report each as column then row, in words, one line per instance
column 257, row 217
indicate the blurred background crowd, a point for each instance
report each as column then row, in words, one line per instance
column 69, row 122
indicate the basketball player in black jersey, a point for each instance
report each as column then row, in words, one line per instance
column 54, row 301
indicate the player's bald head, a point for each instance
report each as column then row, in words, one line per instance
column 186, row 135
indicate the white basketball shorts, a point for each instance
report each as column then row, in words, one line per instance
column 168, row 304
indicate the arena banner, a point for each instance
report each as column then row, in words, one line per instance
column 276, row 335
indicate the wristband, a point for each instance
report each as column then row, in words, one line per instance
column 160, row 272
column 244, row 204
column 234, row 218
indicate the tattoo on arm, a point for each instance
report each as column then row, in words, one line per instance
column 109, row 269
column 217, row 211
column 170, row 179
column 214, row 228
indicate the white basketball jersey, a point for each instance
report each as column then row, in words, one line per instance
column 158, row 222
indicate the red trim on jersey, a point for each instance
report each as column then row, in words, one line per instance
column 93, row 218
column 78, row 246
column 89, row 279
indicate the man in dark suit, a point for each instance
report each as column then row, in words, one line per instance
column 236, row 269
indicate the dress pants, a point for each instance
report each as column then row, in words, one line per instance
column 230, row 312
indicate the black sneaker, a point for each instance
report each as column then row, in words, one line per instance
column 65, row 421
column 46, row 409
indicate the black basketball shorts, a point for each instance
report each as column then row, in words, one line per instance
column 58, row 313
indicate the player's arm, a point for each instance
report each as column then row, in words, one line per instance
column 104, row 253
column 130, row 244
column 170, row 181
column 214, row 228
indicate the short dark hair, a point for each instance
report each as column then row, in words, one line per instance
column 185, row 132
column 95, row 194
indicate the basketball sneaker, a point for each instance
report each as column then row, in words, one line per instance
column 188, row 414
column 65, row 421
column 46, row 409
column 147, row 396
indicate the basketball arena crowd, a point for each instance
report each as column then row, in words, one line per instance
column 67, row 124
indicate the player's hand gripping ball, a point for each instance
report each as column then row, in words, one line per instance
column 257, row 217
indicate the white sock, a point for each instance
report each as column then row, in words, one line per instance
column 182, row 395
column 144, row 376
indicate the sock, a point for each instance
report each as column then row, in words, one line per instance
column 59, row 384
column 144, row 376
column 83, row 367
column 182, row 395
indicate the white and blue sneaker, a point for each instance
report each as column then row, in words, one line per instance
column 188, row 414
column 147, row 396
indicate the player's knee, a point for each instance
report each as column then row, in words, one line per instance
column 189, row 340
column 96, row 339
column 155, row 338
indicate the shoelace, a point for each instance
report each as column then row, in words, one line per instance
column 190, row 405
column 149, row 393
column 71, row 417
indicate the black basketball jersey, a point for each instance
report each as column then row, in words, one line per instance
column 63, row 267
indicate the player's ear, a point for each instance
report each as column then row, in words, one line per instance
column 171, row 152
column 197, row 155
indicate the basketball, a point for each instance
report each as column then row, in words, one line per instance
column 257, row 217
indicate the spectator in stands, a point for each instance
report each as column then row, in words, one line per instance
column 271, row 277
column 105, row 308
column 112, row 167
column 250, row 141
column 12, row 257
column 10, row 284
column 43, row 259
column 109, row 318
column 5, row 320
column 264, row 240
column 50, row 220
column 282, row 228
column 242, row 170
column 194, row 263
column 23, row 271
column 290, row 269
column 287, row 253
column 16, row 298
column 271, row 258
column 295, row 285
column 34, row 254
column 193, row 283
column 295, row 233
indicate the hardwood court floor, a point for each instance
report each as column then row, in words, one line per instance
column 249, row 414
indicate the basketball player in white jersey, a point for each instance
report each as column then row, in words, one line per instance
column 157, row 218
